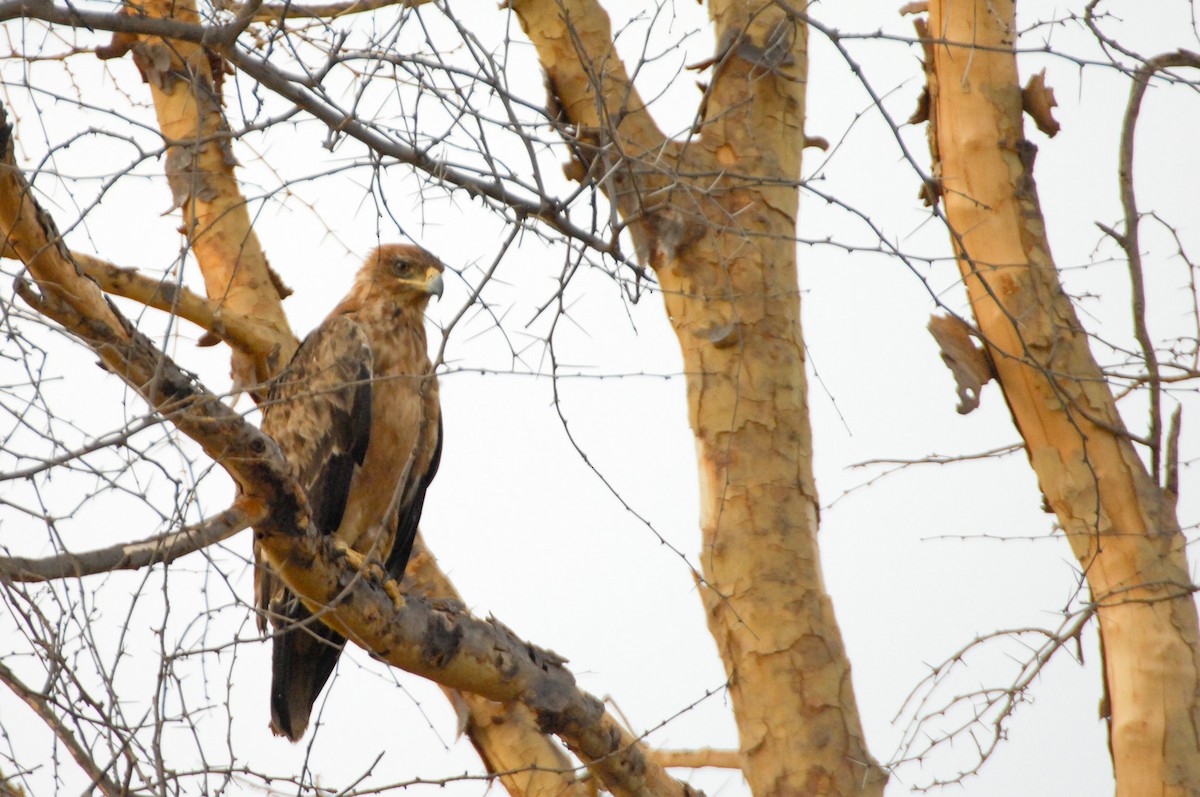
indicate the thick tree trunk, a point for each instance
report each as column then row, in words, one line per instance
column 716, row 218
column 1121, row 525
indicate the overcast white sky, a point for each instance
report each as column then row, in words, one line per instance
column 918, row 563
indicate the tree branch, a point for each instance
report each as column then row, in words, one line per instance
column 714, row 214
column 1132, row 246
column 543, row 208
column 200, row 172
column 276, row 12
column 506, row 736
column 695, row 759
column 441, row 641
column 66, row 295
column 76, row 17
column 625, row 152
column 236, row 329
column 1120, row 524
column 44, row 709
column 28, row 233
column 436, row 640
column 163, row 548
column 222, row 38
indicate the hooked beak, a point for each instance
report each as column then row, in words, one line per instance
column 433, row 282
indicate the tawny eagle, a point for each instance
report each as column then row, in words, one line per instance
column 356, row 414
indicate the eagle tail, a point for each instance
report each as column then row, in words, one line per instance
column 302, row 659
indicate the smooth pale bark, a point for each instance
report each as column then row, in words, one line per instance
column 1121, row 525
column 241, row 332
column 698, row 758
column 716, row 216
column 199, row 167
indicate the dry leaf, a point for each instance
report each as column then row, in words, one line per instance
column 971, row 366
column 1038, row 100
column 722, row 336
column 154, row 62
column 462, row 712
column 922, row 112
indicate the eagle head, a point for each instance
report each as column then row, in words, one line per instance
column 407, row 272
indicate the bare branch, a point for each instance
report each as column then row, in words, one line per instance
column 987, row 708
column 443, row 642
column 325, row 11
column 49, row 715
column 1171, row 480
column 75, row 301
column 71, row 15
column 1129, row 241
column 232, row 327
column 163, row 548
column 29, row 233
column 542, row 208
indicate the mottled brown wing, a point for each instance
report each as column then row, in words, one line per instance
column 409, row 516
column 319, row 412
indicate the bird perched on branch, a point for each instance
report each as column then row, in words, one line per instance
column 356, row 414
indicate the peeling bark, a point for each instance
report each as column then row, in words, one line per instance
column 505, row 735
column 724, row 251
column 970, row 365
column 199, row 167
column 1120, row 524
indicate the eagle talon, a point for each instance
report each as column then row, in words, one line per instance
column 392, row 588
column 372, row 570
